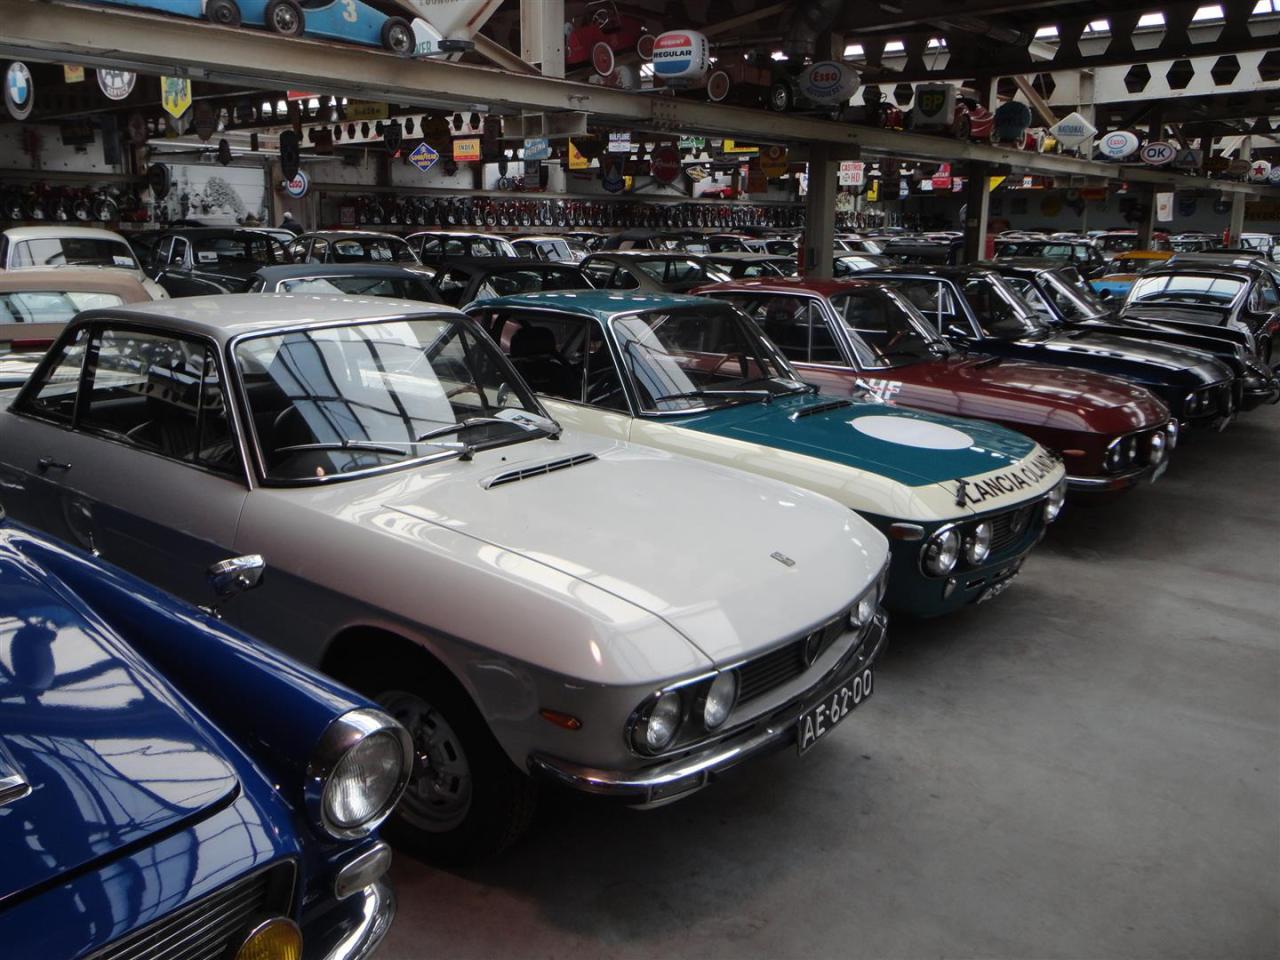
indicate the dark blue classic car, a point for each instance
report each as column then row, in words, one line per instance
column 170, row 788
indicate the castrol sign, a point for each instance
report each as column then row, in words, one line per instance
column 828, row 82
column 680, row 57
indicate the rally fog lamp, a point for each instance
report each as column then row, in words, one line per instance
column 1157, row 449
column 977, row 545
column 658, row 724
column 357, row 772
column 720, row 698
column 1057, row 497
column 276, row 939
column 1114, row 454
column 1133, row 449
column 941, row 552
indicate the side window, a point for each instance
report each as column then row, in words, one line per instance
column 319, row 251
column 54, row 397
column 451, row 284
column 822, row 342
column 622, row 280
column 299, row 250
column 548, row 350
column 1027, row 291
column 158, row 393
column 599, row 271
column 1270, row 296
column 785, row 321
column 178, row 252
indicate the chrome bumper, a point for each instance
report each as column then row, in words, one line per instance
column 677, row 779
column 353, row 928
column 1113, row 481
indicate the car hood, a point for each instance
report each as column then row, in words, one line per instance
column 1205, row 314
column 1127, row 356
column 908, row 446
column 689, row 542
column 110, row 754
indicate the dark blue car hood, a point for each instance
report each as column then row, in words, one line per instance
column 1130, row 357
column 112, row 756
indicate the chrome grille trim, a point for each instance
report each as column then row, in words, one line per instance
column 207, row 929
column 771, row 670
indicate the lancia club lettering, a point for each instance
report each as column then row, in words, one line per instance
column 1020, row 478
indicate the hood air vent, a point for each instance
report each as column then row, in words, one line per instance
column 820, row 408
column 537, row 470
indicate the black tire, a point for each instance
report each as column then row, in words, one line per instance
column 285, row 17
column 225, row 13
column 781, row 98
column 397, row 36
column 501, row 799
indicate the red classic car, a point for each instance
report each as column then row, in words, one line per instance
column 851, row 335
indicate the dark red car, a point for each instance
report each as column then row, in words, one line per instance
column 847, row 335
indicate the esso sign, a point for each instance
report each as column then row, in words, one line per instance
column 828, row 82
column 298, row 186
column 681, row 57
column 1158, row 153
column 1118, row 145
column 664, row 163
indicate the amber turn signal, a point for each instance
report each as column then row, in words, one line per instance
column 561, row 719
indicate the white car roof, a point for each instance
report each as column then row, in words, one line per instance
column 231, row 315
column 16, row 234
column 539, row 238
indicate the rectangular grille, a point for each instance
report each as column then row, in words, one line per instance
column 206, row 929
column 1007, row 528
column 771, row 670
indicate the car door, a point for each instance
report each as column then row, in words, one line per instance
column 123, row 445
column 800, row 328
column 175, row 268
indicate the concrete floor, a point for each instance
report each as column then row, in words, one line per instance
column 1088, row 766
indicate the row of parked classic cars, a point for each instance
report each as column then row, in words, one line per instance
column 298, row 548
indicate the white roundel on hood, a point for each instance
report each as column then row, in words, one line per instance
column 913, row 433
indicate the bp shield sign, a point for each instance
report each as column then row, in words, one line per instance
column 19, row 90
column 935, row 104
column 1158, row 153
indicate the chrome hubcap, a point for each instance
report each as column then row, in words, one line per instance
column 438, row 796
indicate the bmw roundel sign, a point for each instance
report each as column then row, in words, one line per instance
column 19, row 90
column 1157, row 153
column 681, row 56
column 828, row 82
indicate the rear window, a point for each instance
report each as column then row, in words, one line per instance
column 238, row 251
column 509, row 282
column 1190, row 288
column 73, row 251
column 373, row 250
column 50, row 306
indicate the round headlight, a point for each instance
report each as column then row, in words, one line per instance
column 941, row 552
column 658, row 729
column 276, row 939
column 1057, row 497
column 1133, row 449
column 977, row 545
column 357, row 772
column 1157, row 447
column 1171, row 431
column 720, row 698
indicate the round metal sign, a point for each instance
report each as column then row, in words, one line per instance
column 602, row 58
column 828, row 82
column 116, row 84
column 644, row 46
column 298, row 186
column 1274, row 175
column 1157, row 153
column 664, row 163
column 1260, row 171
column 19, row 90
column 773, row 161
column 718, row 85
column 1118, row 144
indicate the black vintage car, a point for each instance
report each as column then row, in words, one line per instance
column 465, row 279
column 202, row 260
column 1084, row 255
column 1221, row 291
column 975, row 308
column 352, row 246
column 347, row 279
column 1060, row 297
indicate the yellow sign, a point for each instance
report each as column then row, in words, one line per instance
column 72, row 74
column 993, row 182
column 175, row 95
column 366, row 110
column 732, row 146
column 466, row 150
column 576, row 160
column 773, row 161
column 873, row 191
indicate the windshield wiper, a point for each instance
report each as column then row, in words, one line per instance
column 471, row 422
column 363, row 446
column 765, row 396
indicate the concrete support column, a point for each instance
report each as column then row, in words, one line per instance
column 542, row 35
column 1147, row 226
column 1235, row 225
column 820, row 213
column 977, row 206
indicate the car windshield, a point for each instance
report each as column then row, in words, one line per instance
column 1041, row 248
column 848, row 264
column 1188, row 288
column 337, row 401
column 782, row 248
column 73, row 251
column 237, row 251
column 1118, row 242
column 372, row 250
column 738, row 269
column 532, row 279
column 1000, row 312
column 402, row 288
column 679, row 270
column 50, row 306
column 893, row 331
column 1074, row 301
column 700, row 356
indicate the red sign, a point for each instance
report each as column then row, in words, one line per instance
column 299, row 95
column 602, row 58
column 665, row 163
column 942, row 179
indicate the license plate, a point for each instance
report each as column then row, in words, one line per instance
column 997, row 588
column 820, row 719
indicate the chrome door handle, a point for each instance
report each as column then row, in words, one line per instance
column 48, row 463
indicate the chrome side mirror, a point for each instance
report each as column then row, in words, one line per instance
column 234, row 576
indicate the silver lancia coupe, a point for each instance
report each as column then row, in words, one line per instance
column 530, row 603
